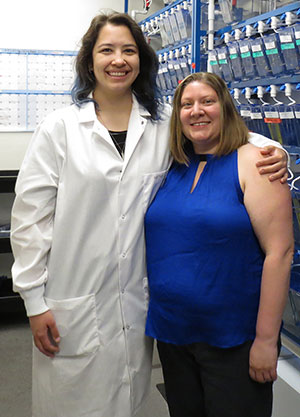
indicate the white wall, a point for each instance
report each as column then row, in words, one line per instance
column 54, row 25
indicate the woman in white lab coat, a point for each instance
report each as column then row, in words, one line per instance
column 77, row 228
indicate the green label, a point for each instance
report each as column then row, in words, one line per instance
column 223, row 61
column 297, row 41
column 257, row 54
column 233, row 56
column 287, row 46
column 245, row 54
column 213, row 62
column 272, row 51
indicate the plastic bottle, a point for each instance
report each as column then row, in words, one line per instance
column 171, row 69
column 183, row 60
column 161, row 76
column 234, row 57
column 177, row 66
column 224, row 63
column 258, row 53
column 184, row 21
column 166, row 72
column 288, row 49
column 247, row 59
column 168, row 28
column 174, row 26
column 163, row 34
column 214, row 64
column 273, row 54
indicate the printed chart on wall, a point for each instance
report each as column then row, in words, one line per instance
column 33, row 83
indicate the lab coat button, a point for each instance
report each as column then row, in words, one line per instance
column 123, row 217
column 127, row 327
column 123, row 255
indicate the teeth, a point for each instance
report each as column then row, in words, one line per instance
column 200, row 124
column 117, row 74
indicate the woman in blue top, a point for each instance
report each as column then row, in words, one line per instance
column 219, row 248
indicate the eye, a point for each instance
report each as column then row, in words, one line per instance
column 105, row 50
column 209, row 101
column 130, row 51
column 186, row 105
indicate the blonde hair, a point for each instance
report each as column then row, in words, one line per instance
column 233, row 131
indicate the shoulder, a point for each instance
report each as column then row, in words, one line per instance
column 249, row 153
column 58, row 118
column 248, row 156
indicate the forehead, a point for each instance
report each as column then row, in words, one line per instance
column 198, row 89
column 114, row 34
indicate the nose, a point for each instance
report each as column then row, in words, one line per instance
column 197, row 110
column 118, row 60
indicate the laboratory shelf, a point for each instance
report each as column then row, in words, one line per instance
column 292, row 79
column 262, row 17
column 160, row 11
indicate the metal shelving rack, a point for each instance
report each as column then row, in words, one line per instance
column 293, row 338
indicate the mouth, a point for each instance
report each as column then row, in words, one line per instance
column 200, row 124
column 117, row 73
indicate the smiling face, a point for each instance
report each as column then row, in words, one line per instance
column 200, row 112
column 115, row 60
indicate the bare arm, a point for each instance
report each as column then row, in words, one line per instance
column 269, row 207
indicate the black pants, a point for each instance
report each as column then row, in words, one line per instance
column 204, row 381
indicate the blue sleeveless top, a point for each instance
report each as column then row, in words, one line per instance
column 204, row 260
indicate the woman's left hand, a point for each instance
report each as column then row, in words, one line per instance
column 274, row 162
column 263, row 361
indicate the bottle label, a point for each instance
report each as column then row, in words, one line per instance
column 285, row 38
column 244, row 48
column 287, row 46
column 272, row 51
column 245, row 113
column 246, row 55
column 256, row 116
column 271, row 114
column 256, row 48
column 270, row 45
column 257, row 54
column 286, row 115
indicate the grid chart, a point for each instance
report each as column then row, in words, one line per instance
column 33, row 83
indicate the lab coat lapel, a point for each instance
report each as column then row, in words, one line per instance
column 88, row 115
column 139, row 118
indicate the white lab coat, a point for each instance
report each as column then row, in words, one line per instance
column 78, row 242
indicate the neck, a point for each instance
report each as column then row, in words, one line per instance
column 114, row 113
column 113, row 102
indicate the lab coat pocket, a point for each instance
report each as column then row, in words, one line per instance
column 77, row 325
column 151, row 184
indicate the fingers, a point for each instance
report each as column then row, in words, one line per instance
column 281, row 175
column 44, row 343
column 263, row 376
column 267, row 150
column 271, row 163
column 283, row 180
column 45, row 333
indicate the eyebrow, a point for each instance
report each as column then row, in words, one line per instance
column 132, row 45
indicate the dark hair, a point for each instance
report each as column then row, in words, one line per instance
column 233, row 131
column 144, row 86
